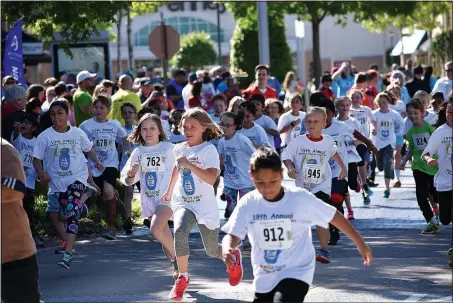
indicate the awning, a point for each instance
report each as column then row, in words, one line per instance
column 410, row 44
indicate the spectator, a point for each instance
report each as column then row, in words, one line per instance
column 444, row 84
column 428, row 76
column 417, row 83
column 123, row 95
column 361, row 84
column 108, row 85
column 223, row 86
column 380, row 80
column 290, row 85
column 13, row 107
column 145, row 89
column 50, row 96
column 408, row 69
column 175, row 87
column 188, row 88
column 33, row 106
column 343, row 78
column 373, row 79
column 272, row 82
column 216, row 73
column 399, row 78
column 326, row 83
column 261, row 76
column 71, row 80
column 100, row 90
column 207, row 90
column 19, row 263
column 50, row 82
column 8, row 81
column 232, row 91
column 36, row 91
column 195, row 99
column 82, row 100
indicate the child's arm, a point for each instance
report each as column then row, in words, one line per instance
column 44, row 177
column 272, row 132
column 127, row 145
column 16, row 130
column 292, row 173
column 92, row 155
column 167, row 196
column 430, row 160
column 290, row 126
column 342, row 224
column 406, row 158
column 229, row 244
column 365, row 140
column 208, row 175
column 344, row 171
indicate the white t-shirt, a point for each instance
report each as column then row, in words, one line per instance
column 388, row 126
column 364, row 116
column 311, row 160
column 353, row 155
column 441, row 144
column 25, row 148
column 285, row 224
column 190, row 191
column 257, row 135
column 340, row 133
column 104, row 135
column 62, row 154
column 166, row 127
column 236, row 154
column 124, row 156
column 430, row 117
column 185, row 95
column 215, row 118
column 400, row 107
column 285, row 120
column 443, row 85
column 175, row 139
column 156, row 166
column 266, row 122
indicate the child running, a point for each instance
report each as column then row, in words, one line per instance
column 278, row 220
column 104, row 133
column 129, row 115
column 191, row 192
column 175, row 121
column 235, row 151
column 417, row 137
column 151, row 163
column 61, row 148
column 250, row 129
column 389, row 124
column 441, row 144
column 289, row 124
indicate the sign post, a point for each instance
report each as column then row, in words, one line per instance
column 13, row 60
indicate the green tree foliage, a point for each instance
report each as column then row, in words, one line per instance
column 442, row 46
column 245, row 53
column 197, row 50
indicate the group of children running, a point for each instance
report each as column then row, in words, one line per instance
column 177, row 166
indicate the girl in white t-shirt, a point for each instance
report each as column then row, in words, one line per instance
column 61, row 149
column 104, row 133
column 289, row 124
column 175, row 120
column 235, row 151
column 441, row 144
column 191, row 192
column 151, row 164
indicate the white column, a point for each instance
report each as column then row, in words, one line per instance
column 263, row 33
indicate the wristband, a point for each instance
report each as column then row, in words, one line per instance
column 131, row 174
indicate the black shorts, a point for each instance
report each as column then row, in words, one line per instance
column 287, row 290
column 364, row 154
column 110, row 174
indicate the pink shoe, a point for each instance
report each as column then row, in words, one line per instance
column 351, row 215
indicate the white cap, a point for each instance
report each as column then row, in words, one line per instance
column 83, row 75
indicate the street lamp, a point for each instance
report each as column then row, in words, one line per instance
column 263, row 33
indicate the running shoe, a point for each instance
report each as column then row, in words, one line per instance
column 386, row 193
column 174, row 266
column 372, row 184
column 436, row 214
column 367, row 189
column 366, row 200
column 147, row 223
column 127, row 226
column 322, row 255
column 38, row 242
column 109, row 234
column 65, row 261
column 450, row 257
column 431, row 228
column 397, row 184
column 227, row 213
column 177, row 292
column 351, row 215
column 223, row 197
column 235, row 271
column 61, row 249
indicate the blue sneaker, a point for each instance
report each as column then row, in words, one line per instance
column 322, row 255
column 66, row 261
column 386, row 193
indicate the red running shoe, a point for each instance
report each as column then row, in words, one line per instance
column 177, row 292
column 235, row 272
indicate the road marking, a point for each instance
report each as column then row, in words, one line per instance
column 415, row 297
column 444, row 299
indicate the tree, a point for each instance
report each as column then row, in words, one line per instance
column 244, row 51
column 197, row 51
column 75, row 21
column 442, row 46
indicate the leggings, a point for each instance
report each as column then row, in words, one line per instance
column 445, row 208
column 424, row 184
column 71, row 206
column 287, row 290
column 184, row 221
column 29, row 206
column 352, row 176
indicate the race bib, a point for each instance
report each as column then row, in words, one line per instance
column 420, row 140
column 274, row 234
column 103, row 143
column 313, row 173
column 152, row 162
column 296, row 131
column 27, row 160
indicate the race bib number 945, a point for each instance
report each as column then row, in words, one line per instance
column 274, row 234
column 313, row 174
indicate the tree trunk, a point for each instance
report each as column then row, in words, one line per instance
column 430, row 54
column 402, row 63
column 118, row 43
column 315, row 22
column 129, row 40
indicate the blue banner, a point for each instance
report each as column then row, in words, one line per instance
column 13, row 60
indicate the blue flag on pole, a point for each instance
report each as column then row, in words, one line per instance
column 13, row 60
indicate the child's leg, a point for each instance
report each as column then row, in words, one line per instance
column 231, row 196
column 128, row 195
column 53, row 209
column 72, row 206
column 29, row 206
column 110, row 200
column 397, row 162
column 210, row 238
column 421, row 183
column 353, row 178
column 323, row 233
column 184, row 221
column 389, row 173
column 161, row 231
column 347, row 201
column 433, row 196
column 445, row 207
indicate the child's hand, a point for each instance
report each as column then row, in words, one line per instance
column 44, row 177
column 343, row 173
column 374, row 132
column 183, row 161
column 296, row 122
column 402, row 166
column 373, row 149
column 16, row 126
column 167, row 197
column 93, row 184
column 432, row 162
column 135, row 167
column 366, row 254
column 228, row 256
column 99, row 166
column 292, row 173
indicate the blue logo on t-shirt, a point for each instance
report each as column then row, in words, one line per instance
column 385, row 133
column 271, row 256
column 229, row 165
column 187, row 181
column 65, row 159
column 151, row 180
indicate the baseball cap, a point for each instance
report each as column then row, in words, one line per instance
column 8, row 78
column 145, row 81
column 83, row 75
column 193, row 76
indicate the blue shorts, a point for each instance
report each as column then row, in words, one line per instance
column 53, row 205
column 399, row 140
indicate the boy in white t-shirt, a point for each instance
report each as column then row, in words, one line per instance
column 252, row 130
column 278, row 222
column 264, row 121
column 289, row 124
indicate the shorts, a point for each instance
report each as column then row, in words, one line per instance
column 364, row 154
column 110, row 174
column 287, row 290
column 149, row 207
column 385, row 162
column 231, row 196
column 53, row 205
column 399, row 140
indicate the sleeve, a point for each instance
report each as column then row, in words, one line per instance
column 171, row 90
column 282, row 122
column 237, row 223
column 410, row 141
column 333, row 148
column 247, row 146
column 121, row 132
column 399, row 124
column 13, row 176
column 132, row 159
column 370, row 114
column 40, row 147
column 264, row 139
column 321, row 213
column 85, row 143
column 84, row 100
column 288, row 152
column 270, row 123
column 211, row 157
column 83, row 127
column 433, row 144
